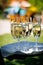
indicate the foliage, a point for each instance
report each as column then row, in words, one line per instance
column 36, row 60
column 37, row 3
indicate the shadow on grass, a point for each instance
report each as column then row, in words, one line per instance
column 28, row 61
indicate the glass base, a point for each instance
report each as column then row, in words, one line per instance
column 36, row 49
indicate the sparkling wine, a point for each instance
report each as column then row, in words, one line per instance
column 29, row 28
column 37, row 30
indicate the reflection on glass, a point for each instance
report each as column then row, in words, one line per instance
column 19, row 30
column 36, row 33
column 16, row 30
column 30, row 28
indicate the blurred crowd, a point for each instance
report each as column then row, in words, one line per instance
column 22, row 11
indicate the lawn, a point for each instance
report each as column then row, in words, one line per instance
column 8, row 39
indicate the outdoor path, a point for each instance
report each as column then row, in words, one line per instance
column 5, row 26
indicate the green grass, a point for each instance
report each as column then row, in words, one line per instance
column 32, row 38
column 8, row 39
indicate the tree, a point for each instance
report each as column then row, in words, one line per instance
column 37, row 3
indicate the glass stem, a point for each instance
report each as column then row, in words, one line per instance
column 36, row 44
column 18, row 39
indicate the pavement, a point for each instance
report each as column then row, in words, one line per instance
column 5, row 26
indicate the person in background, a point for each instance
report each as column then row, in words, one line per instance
column 18, row 7
column 41, row 20
column 42, row 17
column 34, row 20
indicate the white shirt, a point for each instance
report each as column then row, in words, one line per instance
column 15, row 3
column 23, row 3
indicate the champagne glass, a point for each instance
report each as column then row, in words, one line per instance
column 36, row 33
column 30, row 26
column 27, row 29
column 18, row 32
